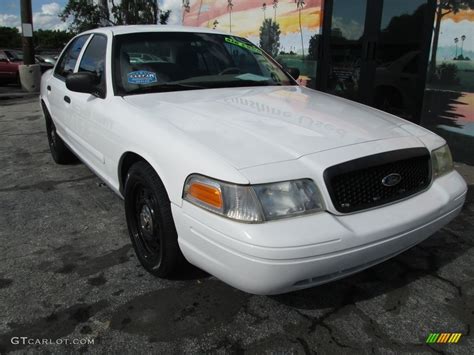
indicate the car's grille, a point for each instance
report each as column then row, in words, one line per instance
column 378, row 179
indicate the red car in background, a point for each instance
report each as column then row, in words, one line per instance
column 10, row 60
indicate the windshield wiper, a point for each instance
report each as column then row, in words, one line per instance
column 165, row 87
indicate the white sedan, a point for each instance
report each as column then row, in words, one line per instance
column 221, row 157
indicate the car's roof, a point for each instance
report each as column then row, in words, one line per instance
column 119, row 30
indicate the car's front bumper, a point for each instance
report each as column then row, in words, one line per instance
column 296, row 253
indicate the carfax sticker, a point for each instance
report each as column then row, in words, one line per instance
column 235, row 42
column 141, row 77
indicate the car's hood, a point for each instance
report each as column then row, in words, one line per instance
column 262, row 125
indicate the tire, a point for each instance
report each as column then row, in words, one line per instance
column 150, row 222
column 59, row 151
column 17, row 80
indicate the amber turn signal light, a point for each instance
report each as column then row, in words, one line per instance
column 209, row 195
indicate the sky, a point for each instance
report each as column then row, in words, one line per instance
column 45, row 13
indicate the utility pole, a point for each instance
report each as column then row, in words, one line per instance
column 27, row 32
column 29, row 72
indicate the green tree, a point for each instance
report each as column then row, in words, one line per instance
column 85, row 15
column 444, row 7
column 10, row 37
column 270, row 37
column 313, row 47
column 135, row 12
column 51, row 39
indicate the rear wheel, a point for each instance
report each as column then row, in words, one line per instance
column 59, row 151
column 17, row 81
column 150, row 222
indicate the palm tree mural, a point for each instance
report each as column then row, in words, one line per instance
column 456, row 40
column 264, row 8
column 199, row 12
column 275, row 5
column 299, row 5
column 463, row 38
column 230, row 5
column 186, row 8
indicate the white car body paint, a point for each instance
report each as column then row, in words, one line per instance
column 256, row 135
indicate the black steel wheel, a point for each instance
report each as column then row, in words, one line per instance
column 150, row 222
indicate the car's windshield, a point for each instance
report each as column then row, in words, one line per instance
column 171, row 61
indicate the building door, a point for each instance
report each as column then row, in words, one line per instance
column 376, row 52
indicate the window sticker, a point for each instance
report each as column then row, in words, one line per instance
column 235, row 42
column 141, row 77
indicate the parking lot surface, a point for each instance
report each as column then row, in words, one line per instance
column 68, row 272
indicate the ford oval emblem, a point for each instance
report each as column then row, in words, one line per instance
column 391, row 180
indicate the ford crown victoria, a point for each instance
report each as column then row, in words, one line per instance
column 223, row 160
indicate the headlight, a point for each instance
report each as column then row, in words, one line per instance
column 254, row 203
column 442, row 161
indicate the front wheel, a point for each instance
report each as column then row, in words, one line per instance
column 150, row 222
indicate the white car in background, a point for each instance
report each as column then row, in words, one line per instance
column 222, row 158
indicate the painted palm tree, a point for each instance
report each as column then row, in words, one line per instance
column 275, row 5
column 456, row 40
column 230, row 5
column 214, row 24
column 199, row 13
column 186, row 8
column 300, row 5
column 463, row 38
column 264, row 8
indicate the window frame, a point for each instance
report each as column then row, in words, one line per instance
column 81, row 56
column 66, row 50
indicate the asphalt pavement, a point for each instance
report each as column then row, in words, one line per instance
column 69, row 280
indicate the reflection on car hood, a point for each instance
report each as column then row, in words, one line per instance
column 262, row 125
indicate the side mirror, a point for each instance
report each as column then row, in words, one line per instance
column 84, row 82
column 294, row 72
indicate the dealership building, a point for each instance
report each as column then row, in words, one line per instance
column 412, row 58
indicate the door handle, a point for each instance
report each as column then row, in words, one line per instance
column 67, row 99
column 48, row 88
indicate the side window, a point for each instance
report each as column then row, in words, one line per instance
column 3, row 57
column 68, row 60
column 93, row 59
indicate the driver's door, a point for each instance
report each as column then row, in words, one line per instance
column 59, row 96
column 88, row 111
